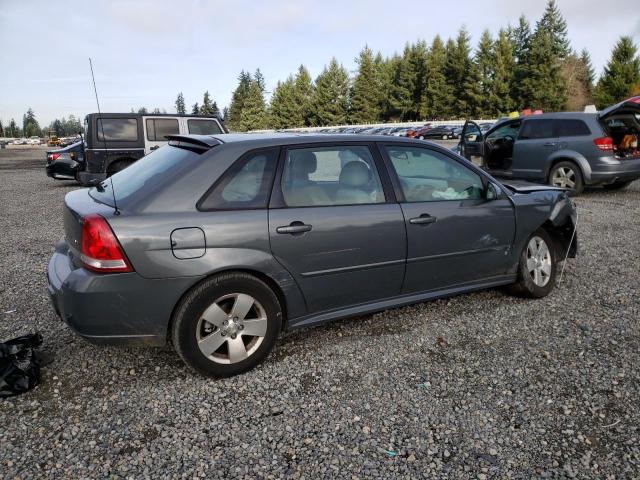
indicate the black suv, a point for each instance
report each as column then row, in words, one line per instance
column 113, row 141
column 568, row 150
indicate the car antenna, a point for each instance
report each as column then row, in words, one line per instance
column 104, row 139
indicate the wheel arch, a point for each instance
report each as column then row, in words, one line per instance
column 569, row 156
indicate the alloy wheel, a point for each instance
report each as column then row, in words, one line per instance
column 539, row 261
column 232, row 328
column 564, row 177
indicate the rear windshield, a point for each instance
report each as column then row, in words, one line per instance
column 148, row 175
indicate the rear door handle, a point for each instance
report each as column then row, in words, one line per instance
column 424, row 219
column 294, row 228
column 550, row 144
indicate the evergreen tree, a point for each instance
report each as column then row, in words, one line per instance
column 238, row 98
column 13, row 129
column 365, row 94
column 621, row 76
column 254, row 113
column 500, row 100
column 484, row 60
column 1, row 129
column 590, row 75
column 462, row 77
column 436, row 98
column 180, row 107
column 402, row 86
column 303, row 91
column 225, row 114
column 143, row 110
column 283, row 111
column 195, row 109
column 30, row 126
column 520, row 37
column 207, row 107
column 543, row 86
column 214, row 109
column 259, row 78
column 330, row 103
column 553, row 24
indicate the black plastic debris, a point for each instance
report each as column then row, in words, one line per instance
column 20, row 364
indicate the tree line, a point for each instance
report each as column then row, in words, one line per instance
column 522, row 67
column 61, row 127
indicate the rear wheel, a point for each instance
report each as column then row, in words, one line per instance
column 445, row 137
column 617, row 185
column 226, row 325
column 537, row 267
column 567, row 175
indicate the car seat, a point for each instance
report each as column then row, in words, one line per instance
column 299, row 189
column 354, row 183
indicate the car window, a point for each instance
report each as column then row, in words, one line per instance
column 246, row 185
column 572, row 128
column 157, row 128
column 472, row 132
column 117, row 129
column 336, row 175
column 429, row 176
column 203, row 127
column 533, row 129
column 509, row 130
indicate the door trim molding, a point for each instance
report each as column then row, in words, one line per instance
column 353, row 268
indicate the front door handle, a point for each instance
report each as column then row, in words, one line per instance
column 550, row 144
column 294, row 228
column 424, row 219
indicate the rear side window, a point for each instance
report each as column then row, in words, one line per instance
column 158, row 128
column 203, row 127
column 572, row 128
column 533, row 129
column 117, row 129
column 246, row 185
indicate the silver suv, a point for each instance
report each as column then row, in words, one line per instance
column 569, row 149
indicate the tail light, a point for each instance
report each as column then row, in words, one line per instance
column 604, row 143
column 53, row 156
column 100, row 250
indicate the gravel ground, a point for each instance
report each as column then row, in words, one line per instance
column 477, row 386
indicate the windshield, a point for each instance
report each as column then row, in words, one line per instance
column 146, row 176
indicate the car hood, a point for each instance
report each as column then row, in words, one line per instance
column 520, row 186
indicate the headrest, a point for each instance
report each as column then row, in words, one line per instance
column 303, row 162
column 355, row 174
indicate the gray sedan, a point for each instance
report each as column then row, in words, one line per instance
column 217, row 243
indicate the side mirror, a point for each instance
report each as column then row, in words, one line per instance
column 492, row 192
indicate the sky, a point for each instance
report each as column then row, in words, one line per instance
column 144, row 52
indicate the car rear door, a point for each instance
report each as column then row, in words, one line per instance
column 536, row 142
column 335, row 226
column 156, row 128
column 459, row 230
column 472, row 143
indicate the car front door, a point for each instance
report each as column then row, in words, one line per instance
column 472, row 143
column 460, row 228
column 156, row 129
column 537, row 140
column 335, row 226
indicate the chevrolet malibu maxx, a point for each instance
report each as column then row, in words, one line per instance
column 217, row 243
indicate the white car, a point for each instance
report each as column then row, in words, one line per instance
column 33, row 141
column 20, row 141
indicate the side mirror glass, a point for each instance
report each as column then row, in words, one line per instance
column 492, row 192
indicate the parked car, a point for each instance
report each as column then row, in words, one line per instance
column 568, row 150
column 20, row 141
column 219, row 242
column 33, row 141
column 65, row 163
column 443, row 132
column 113, row 141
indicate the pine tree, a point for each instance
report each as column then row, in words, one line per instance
column 543, row 86
column 237, row 100
column 590, row 75
column 1, row 129
column 143, row 110
column 520, row 37
column 484, row 60
column 254, row 112
column 365, row 93
column 180, row 107
column 259, row 78
column 553, row 23
column 195, row 109
column 462, row 77
column 621, row 76
column 302, row 97
column 330, row 104
column 207, row 107
column 418, row 57
column 214, row 109
column 30, row 126
column 403, row 86
column 13, row 128
column 503, row 60
column 283, row 109
column 436, row 98
column 225, row 114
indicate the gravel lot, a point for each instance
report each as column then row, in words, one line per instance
column 477, row 386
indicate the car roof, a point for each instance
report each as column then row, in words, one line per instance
column 273, row 139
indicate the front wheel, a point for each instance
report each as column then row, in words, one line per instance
column 226, row 325
column 567, row 175
column 537, row 267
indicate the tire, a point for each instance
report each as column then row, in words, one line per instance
column 567, row 175
column 445, row 137
column 118, row 166
column 616, row 185
column 421, row 137
column 216, row 298
column 536, row 283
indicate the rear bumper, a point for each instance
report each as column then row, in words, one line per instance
column 115, row 309
column 622, row 171
column 53, row 171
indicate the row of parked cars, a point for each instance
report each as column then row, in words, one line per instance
column 423, row 131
